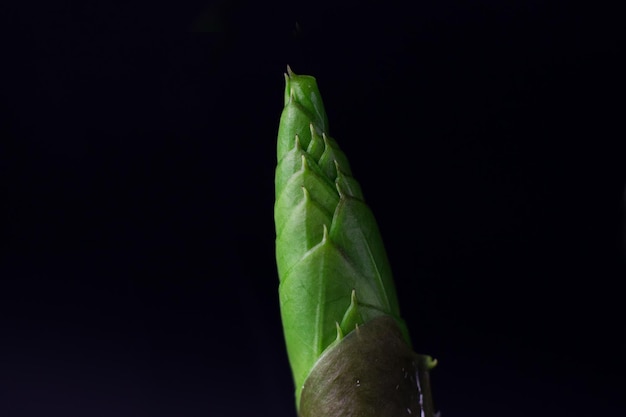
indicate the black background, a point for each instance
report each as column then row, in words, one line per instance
column 137, row 269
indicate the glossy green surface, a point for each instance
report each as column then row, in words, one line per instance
column 333, row 269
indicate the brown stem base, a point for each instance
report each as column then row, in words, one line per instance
column 372, row 372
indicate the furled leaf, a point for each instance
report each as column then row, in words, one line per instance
column 333, row 268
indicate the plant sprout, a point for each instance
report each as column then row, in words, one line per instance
column 349, row 349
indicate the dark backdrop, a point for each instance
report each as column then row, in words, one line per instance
column 137, row 268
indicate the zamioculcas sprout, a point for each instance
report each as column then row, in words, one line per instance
column 349, row 349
